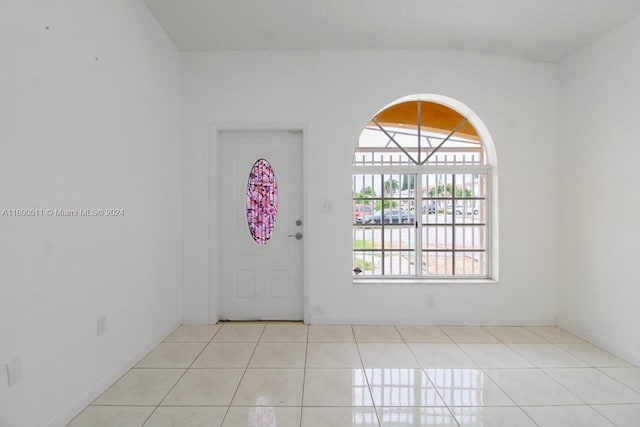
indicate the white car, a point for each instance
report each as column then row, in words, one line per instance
column 460, row 209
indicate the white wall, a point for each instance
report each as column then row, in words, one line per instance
column 599, row 294
column 89, row 118
column 334, row 94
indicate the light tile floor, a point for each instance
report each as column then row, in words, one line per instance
column 288, row 374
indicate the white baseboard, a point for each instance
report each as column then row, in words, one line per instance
column 603, row 344
column 453, row 321
column 107, row 380
column 199, row 321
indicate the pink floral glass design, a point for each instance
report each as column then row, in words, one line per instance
column 262, row 201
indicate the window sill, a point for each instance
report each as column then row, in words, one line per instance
column 421, row 281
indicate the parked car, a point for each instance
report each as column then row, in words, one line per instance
column 460, row 209
column 360, row 212
column 429, row 208
column 392, row 216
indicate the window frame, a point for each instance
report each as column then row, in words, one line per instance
column 487, row 169
column 418, row 226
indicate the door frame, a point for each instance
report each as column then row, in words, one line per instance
column 215, row 128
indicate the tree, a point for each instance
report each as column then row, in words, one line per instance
column 463, row 192
column 408, row 182
column 365, row 193
column 447, row 191
column 391, row 187
column 438, row 190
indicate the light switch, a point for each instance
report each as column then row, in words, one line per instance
column 326, row 206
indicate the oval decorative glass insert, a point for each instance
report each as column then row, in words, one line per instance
column 262, row 201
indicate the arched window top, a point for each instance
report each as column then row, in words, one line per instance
column 420, row 132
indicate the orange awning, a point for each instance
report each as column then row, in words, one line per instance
column 433, row 118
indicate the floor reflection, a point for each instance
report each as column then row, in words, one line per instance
column 416, row 416
column 361, row 396
column 364, row 417
column 402, row 387
column 263, row 415
column 468, row 387
column 462, row 385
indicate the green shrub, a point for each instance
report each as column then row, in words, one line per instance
column 364, row 265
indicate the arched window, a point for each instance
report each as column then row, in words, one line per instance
column 422, row 193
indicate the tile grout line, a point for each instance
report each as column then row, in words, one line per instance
column 445, row 334
column 500, row 342
column 590, row 365
column 127, row 372
column 595, row 369
column 181, row 376
column 550, row 367
column 423, row 369
column 508, row 344
column 507, row 394
column 486, row 329
column 603, row 415
column 507, row 341
column 483, row 371
column 304, row 375
column 264, row 327
column 600, row 368
column 562, row 385
column 457, row 344
column 524, row 358
column 535, row 333
column 366, row 377
column 555, row 344
column 572, row 354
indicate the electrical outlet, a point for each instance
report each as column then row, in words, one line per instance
column 14, row 371
column 102, row 324
column 431, row 301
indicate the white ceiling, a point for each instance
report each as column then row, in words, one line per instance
column 545, row 30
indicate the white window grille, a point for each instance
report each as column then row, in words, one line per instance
column 421, row 202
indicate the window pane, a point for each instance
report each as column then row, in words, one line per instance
column 447, row 230
column 470, row 186
column 399, row 237
column 437, row 237
column 399, row 263
column 435, row 212
column 363, row 211
column 366, row 238
column 399, row 186
column 473, row 211
column 437, row 263
column 470, row 237
column 365, row 186
column 394, row 215
column 451, row 223
column 471, row 264
column 367, row 263
column 262, row 201
column 437, row 186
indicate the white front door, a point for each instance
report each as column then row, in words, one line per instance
column 260, row 281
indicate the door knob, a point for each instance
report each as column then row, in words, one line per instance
column 298, row 235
